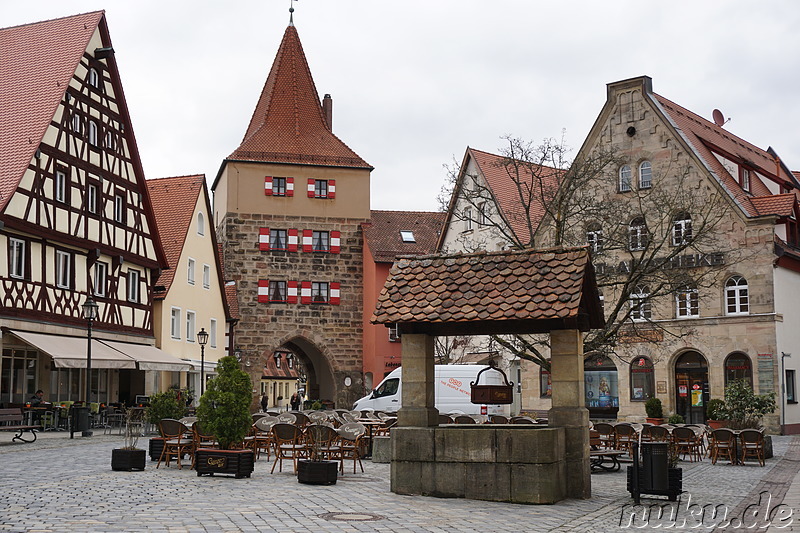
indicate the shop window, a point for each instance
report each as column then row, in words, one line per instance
column 642, row 379
column 601, row 386
column 738, row 366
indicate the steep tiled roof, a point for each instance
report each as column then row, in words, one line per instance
column 271, row 370
column 507, row 192
column 500, row 292
column 778, row 204
column 173, row 200
column 382, row 233
column 702, row 135
column 231, row 289
column 288, row 124
column 37, row 63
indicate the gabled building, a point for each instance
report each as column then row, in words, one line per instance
column 687, row 196
column 190, row 296
column 75, row 220
column 288, row 206
column 387, row 236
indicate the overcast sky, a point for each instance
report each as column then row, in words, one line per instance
column 416, row 82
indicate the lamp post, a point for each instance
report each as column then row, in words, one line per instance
column 202, row 339
column 89, row 314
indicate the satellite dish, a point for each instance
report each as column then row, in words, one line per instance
column 719, row 118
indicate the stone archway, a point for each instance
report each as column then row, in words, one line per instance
column 318, row 373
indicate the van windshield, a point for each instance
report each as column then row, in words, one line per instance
column 387, row 388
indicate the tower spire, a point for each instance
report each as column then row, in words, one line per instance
column 291, row 12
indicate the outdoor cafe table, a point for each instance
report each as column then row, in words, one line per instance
column 370, row 423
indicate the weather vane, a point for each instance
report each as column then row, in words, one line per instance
column 291, row 10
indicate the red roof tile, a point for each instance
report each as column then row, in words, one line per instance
column 781, row 205
column 271, row 370
column 38, row 61
column 502, row 292
column 173, row 200
column 382, row 233
column 288, row 124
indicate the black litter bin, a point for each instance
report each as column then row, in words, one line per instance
column 655, row 466
column 79, row 416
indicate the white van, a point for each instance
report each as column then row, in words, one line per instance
column 451, row 389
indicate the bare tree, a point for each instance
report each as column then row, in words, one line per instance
column 453, row 350
column 657, row 241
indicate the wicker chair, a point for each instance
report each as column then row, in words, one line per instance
column 176, row 443
column 351, row 435
column 322, row 443
column 445, row 419
column 723, row 444
column 287, row 441
column 752, row 445
column 687, row 441
column 498, row 419
column 465, row 419
column 654, row 434
column 606, row 431
column 624, row 437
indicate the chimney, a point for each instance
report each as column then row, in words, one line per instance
column 327, row 110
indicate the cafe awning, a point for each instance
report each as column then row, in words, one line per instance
column 149, row 357
column 70, row 352
column 195, row 364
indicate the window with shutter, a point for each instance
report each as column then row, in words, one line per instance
column 292, row 240
column 320, row 241
column 263, row 239
column 268, row 185
column 335, row 242
column 319, row 292
column 335, row 293
column 305, row 292
column 308, row 240
column 321, row 188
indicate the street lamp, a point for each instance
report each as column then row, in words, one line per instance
column 89, row 314
column 202, row 339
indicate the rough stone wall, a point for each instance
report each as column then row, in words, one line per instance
column 334, row 330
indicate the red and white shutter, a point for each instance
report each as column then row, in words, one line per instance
column 263, row 291
column 268, row 185
column 289, row 186
column 336, row 239
column 263, row 239
column 311, row 187
column 334, row 296
column 308, row 237
column 331, row 188
column 305, row 292
column 291, row 293
column 292, row 240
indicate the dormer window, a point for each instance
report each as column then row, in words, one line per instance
column 744, row 179
column 407, row 236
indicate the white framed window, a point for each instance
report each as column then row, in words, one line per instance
column 625, row 178
column 687, row 302
column 468, row 218
column 190, row 271
column 206, row 276
column 61, row 186
column 483, row 218
column 320, row 188
column 190, row 323
column 201, row 224
column 407, row 236
column 63, row 269
column 278, row 239
column 119, row 208
column 133, row 286
column 77, row 124
column 279, row 186
column 91, row 198
column 791, row 388
column 681, row 229
column 594, row 237
column 93, row 133
column 645, row 175
column 93, row 78
column 111, row 140
column 640, row 303
column 637, row 233
column 212, row 333
column 744, row 179
column 737, row 298
column 320, row 241
column 175, row 323
column 100, row 278
column 17, row 258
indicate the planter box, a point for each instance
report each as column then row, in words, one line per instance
column 237, row 463
column 317, row 472
column 156, row 447
column 127, row 460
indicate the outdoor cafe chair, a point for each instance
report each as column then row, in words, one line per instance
column 322, row 443
column 654, row 434
column 445, row 419
column 287, row 441
column 176, row 443
column 498, row 419
column 263, row 434
column 686, row 442
column 624, row 436
column 465, row 419
column 287, row 418
column 522, row 420
column 752, row 445
column 723, row 444
column 316, row 417
column 301, row 419
column 351, row 436
column 606, row 431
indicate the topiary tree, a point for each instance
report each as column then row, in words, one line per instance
column 653, row 408
column 167, row 404
column 224, row 409
column 744, row 408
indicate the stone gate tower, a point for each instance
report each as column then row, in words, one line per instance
column 288, row 204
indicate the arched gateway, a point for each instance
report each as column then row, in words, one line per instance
column 520, row 292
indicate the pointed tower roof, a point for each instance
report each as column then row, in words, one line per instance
column 288, row 124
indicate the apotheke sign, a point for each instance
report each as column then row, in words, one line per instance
column 681, row 261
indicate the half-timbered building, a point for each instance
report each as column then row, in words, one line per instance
column 75, row 220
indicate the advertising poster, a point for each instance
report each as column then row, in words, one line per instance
column 601, row 389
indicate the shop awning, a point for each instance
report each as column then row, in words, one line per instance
column 149, row 357
column 195, row 364
column 70, row 352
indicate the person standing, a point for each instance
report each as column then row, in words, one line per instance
column 295, row 401
column 264, row 402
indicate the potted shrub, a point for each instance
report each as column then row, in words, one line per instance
column 675, row 418
column 654, row 410
column 129, row 457
column 745, row 409
column 224, row 411
column 715, row 413
column 168, row 404
column 316, row 470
